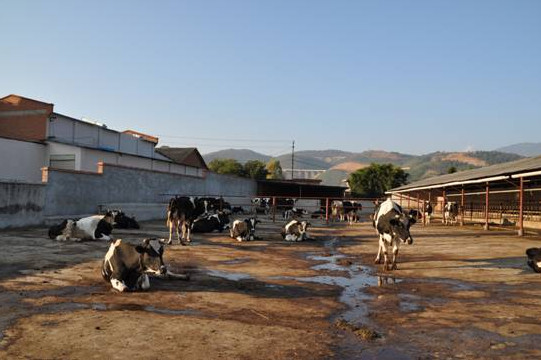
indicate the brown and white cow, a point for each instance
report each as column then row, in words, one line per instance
column 295, row 230
column 244, row 230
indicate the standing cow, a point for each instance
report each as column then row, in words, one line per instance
column 393, row 227
column 451, row 213
column 427, row 212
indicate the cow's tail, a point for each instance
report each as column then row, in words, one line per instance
column 168, row 221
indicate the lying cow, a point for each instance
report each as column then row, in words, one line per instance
column 244, row 230
column 123, row 221
column 96, row 227
column 127, row 266
column 209, row 223
column 534, row 259
column 451, row 213
column 295, row 230
column 393, row 226
column 294, row 213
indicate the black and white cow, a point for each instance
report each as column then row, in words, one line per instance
column 427, row 212
column 294, row 213
column 95, row 227
column 295, row 231
column 127, row 266
column 393, row 227
column 237, row 210
column 181, row 212
column 261, row 205
column 123, row 221
column 209, row 223
column 352, row 211
column 451, row 213
column 534, row 259
column 244, row 230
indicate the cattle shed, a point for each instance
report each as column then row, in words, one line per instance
column 507, row 195
column 298, row 189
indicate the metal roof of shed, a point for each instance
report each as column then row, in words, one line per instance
column 513, row 169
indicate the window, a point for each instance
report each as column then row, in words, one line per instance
column 66, row 162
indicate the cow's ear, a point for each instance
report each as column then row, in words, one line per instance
column 140, row 249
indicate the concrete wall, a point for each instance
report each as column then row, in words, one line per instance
column 21, row 204
column 21, row 160
column 140, row 192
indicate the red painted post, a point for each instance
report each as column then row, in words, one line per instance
column 409, row 198
column 486, row 206
column 521, row 208
column 327, row 210
column 400, row 199
column 274, row 209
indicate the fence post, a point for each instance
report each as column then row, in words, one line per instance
column 486, row 205
column 274, row 209
column 327, row 210
column 521, row 208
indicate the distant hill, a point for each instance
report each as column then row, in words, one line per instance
column 339, row 164
column 524, row 149
column 241, row 155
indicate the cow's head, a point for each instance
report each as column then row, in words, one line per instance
column 400, row 227
column 251, row 224
column 110, row 216
column 303, row 227
column 151, row 255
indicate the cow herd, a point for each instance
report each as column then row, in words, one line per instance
column 126, row 267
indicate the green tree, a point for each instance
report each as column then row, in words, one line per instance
column 375, row 180
column 452, row 170
column 274, row 170
column 227, row 166
column 255, row 169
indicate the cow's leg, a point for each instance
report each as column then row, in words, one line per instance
column 188, row 231
column 143, row 282
column 395, row 256
column 171, row 225
column 385, row 257
column 119, row 285
column 380, row 249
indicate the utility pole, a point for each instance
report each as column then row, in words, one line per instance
column 292, row 158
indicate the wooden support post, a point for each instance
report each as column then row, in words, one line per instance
column 418, row 206
column 521, row 208
column 486, row 205
column 274, row 209
column 327, row 210
column 443, row 206
column 462, row 207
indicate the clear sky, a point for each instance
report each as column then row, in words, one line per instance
column 411, row 76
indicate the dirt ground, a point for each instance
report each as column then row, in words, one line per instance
column 458, row 293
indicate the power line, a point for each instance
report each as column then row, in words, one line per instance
column 221, row 139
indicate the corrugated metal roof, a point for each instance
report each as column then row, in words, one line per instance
column 504, row 169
